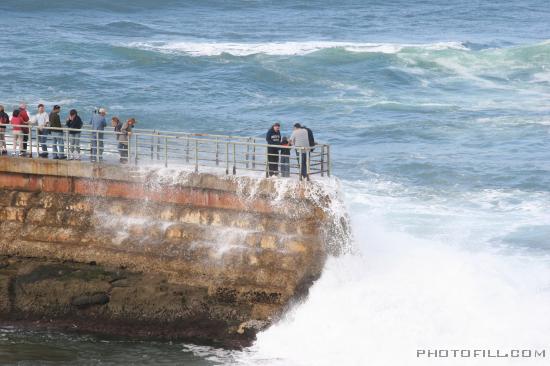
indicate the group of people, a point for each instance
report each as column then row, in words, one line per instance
column 49, row 124
column 278, row 153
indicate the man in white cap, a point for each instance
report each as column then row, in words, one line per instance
column 98, row 123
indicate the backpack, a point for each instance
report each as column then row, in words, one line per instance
column 310, row 137
column 4, row 119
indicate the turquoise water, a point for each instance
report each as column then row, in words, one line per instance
column 439, row 117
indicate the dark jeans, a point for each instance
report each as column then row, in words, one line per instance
column 285, row 166
column 97, row 145
column 25, row 138
column 74, row 145
column 123, row 150
column 3, row 138
column 273, row 159
column 58, row 144
column 43, row 140
column 303, row 164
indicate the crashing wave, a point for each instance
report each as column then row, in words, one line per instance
column 284, row 48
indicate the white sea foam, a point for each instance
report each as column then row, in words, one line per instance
column 405, row 294
column 284, row 48
column 401, row 291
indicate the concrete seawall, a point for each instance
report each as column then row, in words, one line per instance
column 149, row 253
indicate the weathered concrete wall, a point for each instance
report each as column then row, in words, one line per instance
column 136, row 252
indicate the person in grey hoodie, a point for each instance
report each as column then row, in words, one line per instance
column 98, row 123
column 300, row 139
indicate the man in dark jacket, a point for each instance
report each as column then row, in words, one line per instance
column 273, row 137
column 75, row 124
column 58, row 143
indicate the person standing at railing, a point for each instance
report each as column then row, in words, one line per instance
column 25, row 117
column 300, row 140
column 75, row 124
column 42, row 120
column 124, row 140
column 273, row 137
column 58, row 143
column 4, row 120
column 98, row 123
column 117, row 126
column 17, row 129
column 285, row 158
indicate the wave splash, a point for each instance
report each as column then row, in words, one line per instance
column 199, row 49
column 401, row 292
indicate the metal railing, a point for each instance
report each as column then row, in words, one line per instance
column 201, row 152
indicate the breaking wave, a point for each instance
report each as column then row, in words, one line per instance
column 286, row 48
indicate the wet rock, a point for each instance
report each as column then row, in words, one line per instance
column 252, row 326
column 89, row 300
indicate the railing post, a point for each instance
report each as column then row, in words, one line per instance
column 30, row 140
column 66, row 147
column 254, row 155
column 308, row 162
column 196, row 156
column 97, row 145
column 322, row 160
column 187, row 151
column 234, row 159
column 152, row 146
column 38, row 142
column 329, row 165
column 300, row 162
column 267, row 162
column 158, row 145
column 217, row 152
column 226, row 157
column 137, row 150
column 247, row 153
column 129, row 152
column 166, row 151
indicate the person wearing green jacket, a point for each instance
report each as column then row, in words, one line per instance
column 58, row 145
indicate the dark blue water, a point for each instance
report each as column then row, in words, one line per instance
column 439, row 117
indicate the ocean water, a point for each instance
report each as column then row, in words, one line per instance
column 439, row 117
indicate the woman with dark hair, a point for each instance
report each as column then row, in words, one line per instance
column 17, row 122
column 117, row 125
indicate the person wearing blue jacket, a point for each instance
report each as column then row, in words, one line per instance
column 98, row 123
column 273, row 137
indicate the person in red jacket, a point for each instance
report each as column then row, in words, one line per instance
column 25, row 117
column 17, row 122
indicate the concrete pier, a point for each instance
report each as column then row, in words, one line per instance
column 144, row 252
